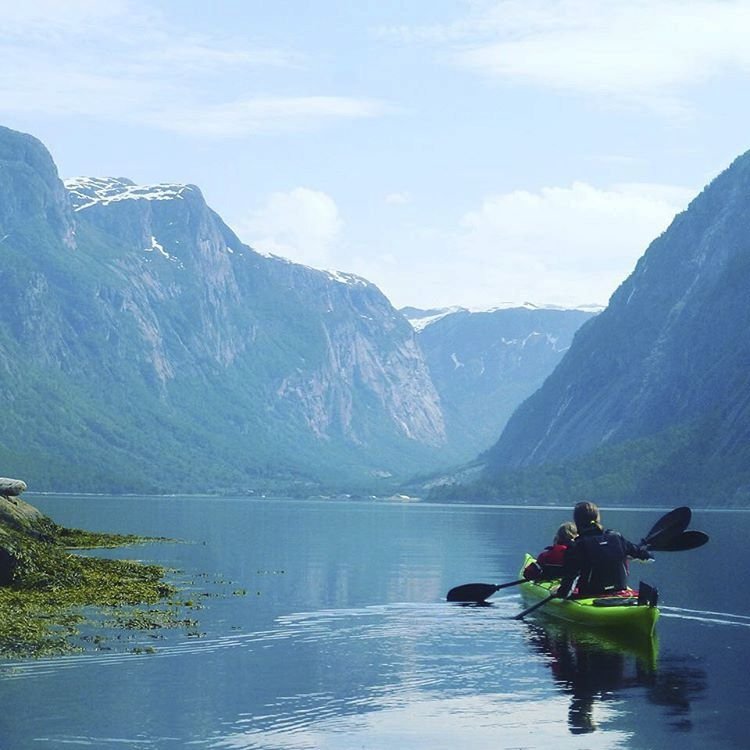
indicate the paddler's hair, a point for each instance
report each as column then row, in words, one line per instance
column 566, row 533
column 585, row 515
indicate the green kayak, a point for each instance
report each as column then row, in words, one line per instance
column 616, row 613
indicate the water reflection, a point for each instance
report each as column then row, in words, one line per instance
column 594, row 668
column 677, row 684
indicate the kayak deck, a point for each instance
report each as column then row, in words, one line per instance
column 613, row 612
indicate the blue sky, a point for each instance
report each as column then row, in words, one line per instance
column 454, row 153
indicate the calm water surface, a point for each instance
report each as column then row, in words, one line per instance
column 323, row 625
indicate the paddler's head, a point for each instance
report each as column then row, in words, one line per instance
column 565, row 534
column 586, row 515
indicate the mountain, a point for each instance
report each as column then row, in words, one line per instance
column 485, row 363
column 652, row 400
column 144, row 347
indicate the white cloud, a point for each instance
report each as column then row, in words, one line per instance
column 302, row 225
column 644, row 52
column 264, row 115
column 578, row 225
column 567, row 244
column 117, row 61
column 398, row 199
column 52, row 20
column 559, row 245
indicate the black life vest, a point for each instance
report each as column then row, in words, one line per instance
column 603, row 563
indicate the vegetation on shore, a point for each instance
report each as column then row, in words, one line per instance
column 675, row 463
column 56, row 600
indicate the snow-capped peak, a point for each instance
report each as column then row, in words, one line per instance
column 420, row 319
column 90, row 191
column 346, row 278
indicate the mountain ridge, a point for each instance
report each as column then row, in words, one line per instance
column 147, row 349
column 145, row 317
column 667, row 361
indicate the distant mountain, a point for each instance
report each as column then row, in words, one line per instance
column 145, row 348
column 652, row 401
column 485, row 363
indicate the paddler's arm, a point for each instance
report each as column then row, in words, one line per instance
column 570, row 571
column 637, row 552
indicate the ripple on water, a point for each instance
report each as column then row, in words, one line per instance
column 432, row 676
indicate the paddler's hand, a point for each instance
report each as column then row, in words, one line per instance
column 644, row 555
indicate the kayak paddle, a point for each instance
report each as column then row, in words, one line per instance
column 686, row 540
column 533, row 607
column 670, row 525
column 477, row 592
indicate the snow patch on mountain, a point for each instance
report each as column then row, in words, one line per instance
column 342, row 277
column 155, row 245
column 421, row 319
column 85, row 192
column 347, row 278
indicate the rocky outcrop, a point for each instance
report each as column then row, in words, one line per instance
column 20, row 516
column 11, row 487
column 52, row 586
column 31, row 190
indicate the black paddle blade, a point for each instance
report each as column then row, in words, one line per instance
column 685, row 541
column 471, row 592
column 670, row 525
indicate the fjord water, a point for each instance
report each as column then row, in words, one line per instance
column 323, row 625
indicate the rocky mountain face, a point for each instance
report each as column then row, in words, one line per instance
column 485, row 363
column 663, row 373
column 144, row 347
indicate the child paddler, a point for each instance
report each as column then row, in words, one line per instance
column 549, row 562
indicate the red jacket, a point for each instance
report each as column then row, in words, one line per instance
column 554, row 555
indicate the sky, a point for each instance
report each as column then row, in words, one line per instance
column 465, row 152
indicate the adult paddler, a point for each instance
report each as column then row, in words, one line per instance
column 598, row 557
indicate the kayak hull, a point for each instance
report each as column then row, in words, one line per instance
column 626, row 618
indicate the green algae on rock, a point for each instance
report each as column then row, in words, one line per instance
column 48, row 593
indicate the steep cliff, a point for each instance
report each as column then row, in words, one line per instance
column 31, row 190
column 666, row 363
column 145, row 347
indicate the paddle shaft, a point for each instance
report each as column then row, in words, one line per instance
column 534, row 607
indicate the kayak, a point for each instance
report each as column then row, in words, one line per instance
column 616, row 613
